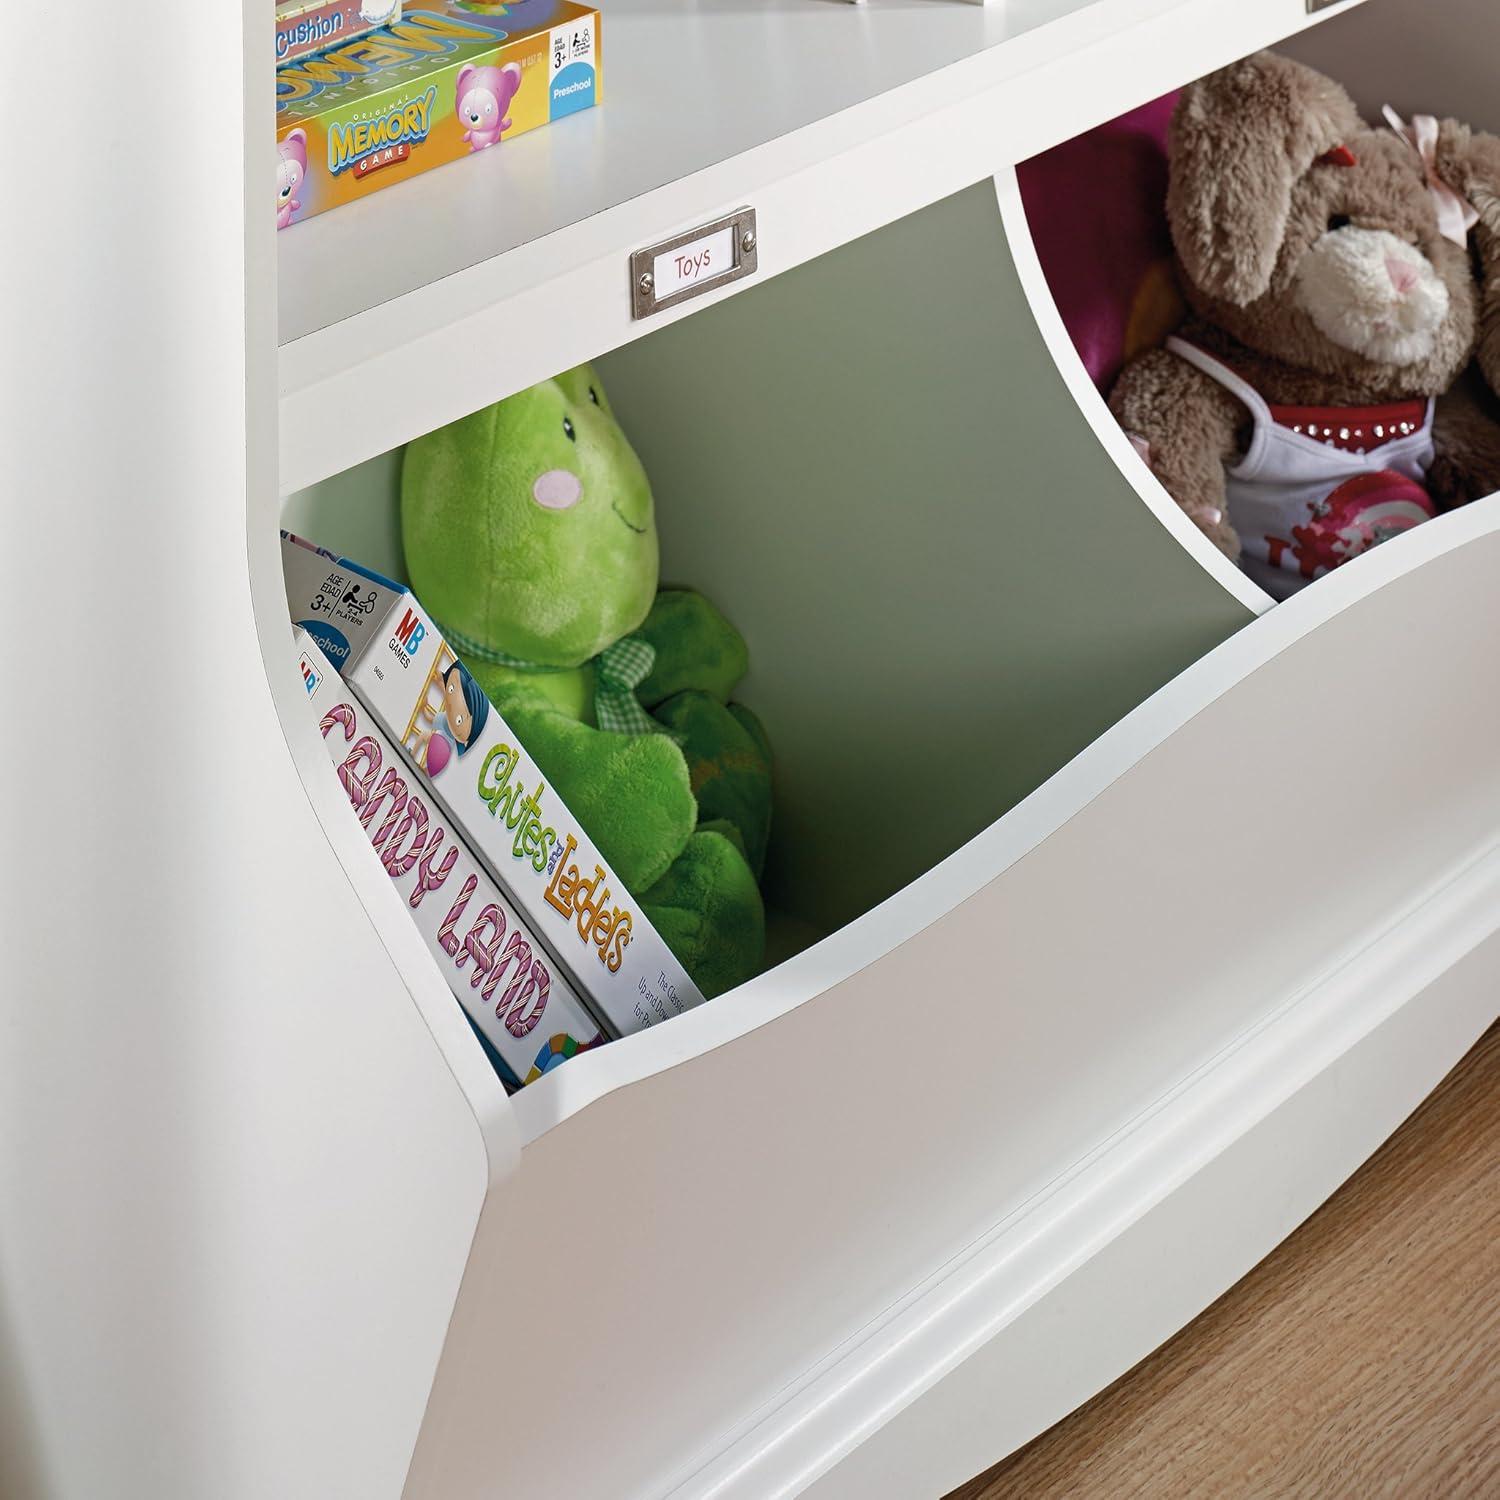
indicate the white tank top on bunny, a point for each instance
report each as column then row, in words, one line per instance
column 1319, row 485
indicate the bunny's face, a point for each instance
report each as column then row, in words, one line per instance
column 1313, row 239
column 1367, row 263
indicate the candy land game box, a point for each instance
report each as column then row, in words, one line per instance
column 527, row 1014
column 469, row 762
column 442, row 81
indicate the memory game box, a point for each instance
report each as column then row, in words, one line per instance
column 444, row 80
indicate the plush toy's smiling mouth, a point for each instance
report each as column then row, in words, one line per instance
column 639, row 530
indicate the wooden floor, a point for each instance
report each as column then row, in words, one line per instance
column 1361, row 1359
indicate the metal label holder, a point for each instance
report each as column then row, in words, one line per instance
column 645, row 267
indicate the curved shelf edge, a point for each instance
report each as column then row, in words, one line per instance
column 471, row 1072
column 560, row 1095
column 1087, row 1279
column 1096, row 413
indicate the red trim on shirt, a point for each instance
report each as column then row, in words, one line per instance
column 1351, row 429
column 1354, row 429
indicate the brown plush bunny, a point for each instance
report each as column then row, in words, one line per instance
column 1309, row 408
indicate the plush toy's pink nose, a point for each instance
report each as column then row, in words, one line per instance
column 1402, row 273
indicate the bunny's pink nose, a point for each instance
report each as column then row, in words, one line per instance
column 1402, row 273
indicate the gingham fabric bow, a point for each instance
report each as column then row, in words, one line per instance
column 618, row 671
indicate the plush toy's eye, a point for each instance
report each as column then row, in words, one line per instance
column 1338, row 221
column 593, row 395
column 568, row 429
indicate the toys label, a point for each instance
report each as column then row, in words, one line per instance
column 696, row 262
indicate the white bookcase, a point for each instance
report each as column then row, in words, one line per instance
column 1149, row 910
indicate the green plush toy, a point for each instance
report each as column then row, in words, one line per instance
column 530, row 535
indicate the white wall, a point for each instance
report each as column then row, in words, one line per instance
column 225, row 1259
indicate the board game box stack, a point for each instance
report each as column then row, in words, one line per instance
column 527, row 1013
column 466, row 759
column 438, row 81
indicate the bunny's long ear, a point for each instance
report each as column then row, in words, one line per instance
column 1239, row 141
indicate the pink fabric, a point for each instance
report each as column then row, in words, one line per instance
column 1456, row 215
column 1360, row 514
column 1097, row 208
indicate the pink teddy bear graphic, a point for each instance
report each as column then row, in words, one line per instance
column 291, row 168
column 483, row 95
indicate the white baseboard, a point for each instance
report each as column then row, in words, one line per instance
column 1132, row 1243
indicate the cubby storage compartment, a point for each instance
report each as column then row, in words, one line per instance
column 871, row 465
column 1088, row 223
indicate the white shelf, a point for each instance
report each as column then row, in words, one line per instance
column 685, row 86
column 870, row 113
